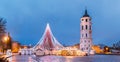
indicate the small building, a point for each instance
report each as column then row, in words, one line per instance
column 15, row 47
column 97, row 49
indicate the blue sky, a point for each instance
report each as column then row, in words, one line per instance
column 26, row 19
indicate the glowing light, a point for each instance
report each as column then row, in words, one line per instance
column 6, row 38
column 107, row 48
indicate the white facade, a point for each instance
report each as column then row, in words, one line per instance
column 26, row 51
column 86, row 33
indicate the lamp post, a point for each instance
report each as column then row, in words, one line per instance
column 6, row 39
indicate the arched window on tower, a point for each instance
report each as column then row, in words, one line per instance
column 82, row 49
column 89, row 45
column 90, row 27
column 82, row 27
column 86, row 34
column 86, row 20
column 86, row 48
column 82, row 19
column 86, row 27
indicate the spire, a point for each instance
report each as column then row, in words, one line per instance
column 86, row 14
column 48, row 26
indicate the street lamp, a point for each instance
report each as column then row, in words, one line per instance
column 5, row 43
column 5, row 39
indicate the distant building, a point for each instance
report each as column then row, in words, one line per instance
column 76, row 46
column 25, row 47
column 86, row 33
column 15, row 46
column 97, row 49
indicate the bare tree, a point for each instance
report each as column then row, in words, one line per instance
column 116, row 45
column 2, row 31
column 2, row 25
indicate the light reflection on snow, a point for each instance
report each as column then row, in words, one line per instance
column 96, row 58
column 52, row 59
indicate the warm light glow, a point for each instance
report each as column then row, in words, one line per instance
column 5, row 39
column 106, row 48
column 25, row 47
column 97, row 49
column 15, row 47
column 64, row 53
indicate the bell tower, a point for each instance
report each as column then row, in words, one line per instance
column 86, row 33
